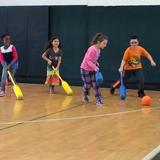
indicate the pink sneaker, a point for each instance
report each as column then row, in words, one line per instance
column 2, row 94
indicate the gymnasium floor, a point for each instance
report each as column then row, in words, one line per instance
column 60, row 127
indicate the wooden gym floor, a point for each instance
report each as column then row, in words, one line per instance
column 60, row 127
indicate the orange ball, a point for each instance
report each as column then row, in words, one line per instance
column 146, row 101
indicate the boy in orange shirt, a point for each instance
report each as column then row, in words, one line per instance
column 131, row 65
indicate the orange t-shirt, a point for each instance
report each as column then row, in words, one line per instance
column 132, row 57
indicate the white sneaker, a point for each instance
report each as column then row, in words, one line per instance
column 99, row 104
column 2, row 93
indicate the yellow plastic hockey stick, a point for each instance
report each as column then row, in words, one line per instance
column 16, row 88
column 65, row 85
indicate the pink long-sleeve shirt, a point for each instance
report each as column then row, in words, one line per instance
column 90, row 59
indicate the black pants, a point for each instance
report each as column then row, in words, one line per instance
column 138, row 73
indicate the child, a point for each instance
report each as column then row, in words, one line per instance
column 131, row 65
column 8, row 59
column 90, row 66
column 53, row 56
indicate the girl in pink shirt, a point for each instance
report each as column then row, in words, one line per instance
column 90, row 66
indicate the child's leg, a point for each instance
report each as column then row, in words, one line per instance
column 13, row 69
column 3, row 82
column 140, row 76
column 96, row 88
column 51, row 89
column 87, row 83
column 114, row 86
column 126, row 76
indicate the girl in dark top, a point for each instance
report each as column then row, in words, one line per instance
column 53, row 56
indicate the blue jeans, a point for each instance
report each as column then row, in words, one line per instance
column 13, row 70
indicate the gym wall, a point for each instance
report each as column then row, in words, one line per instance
column 31, row 26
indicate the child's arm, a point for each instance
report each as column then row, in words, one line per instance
column 59, row 63
column 3, row 63
column 121, row 68
column 92, row 65
column 97, row 64
column 15, row 56
column 149, row 57
column 44, row 56
column 123, row 62
column 89, row 60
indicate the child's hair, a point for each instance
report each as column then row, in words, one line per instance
column 49, row 45
column 98, row 37
column 133, row 37
column 4, row 35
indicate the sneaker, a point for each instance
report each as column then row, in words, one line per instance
column 112, row 90
column 102, row 100
column 141, row 95
column 2, row 94
column 85, row 99
column 99, row 103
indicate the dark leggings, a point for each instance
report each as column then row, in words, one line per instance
column 138, row 73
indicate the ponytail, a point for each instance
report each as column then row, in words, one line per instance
column 98, row 37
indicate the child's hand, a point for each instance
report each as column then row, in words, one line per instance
column 153, row 63
column 120, row 69
column 7, row 68
column 57, row 69
column 97, row 69
column 49, row 62
column 97, row 64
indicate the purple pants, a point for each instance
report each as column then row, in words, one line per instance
column 89, row 81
